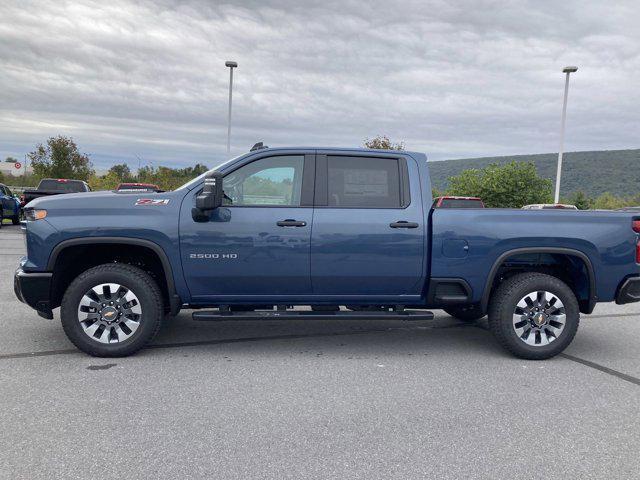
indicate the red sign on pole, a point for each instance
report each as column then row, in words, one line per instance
column 18, row 165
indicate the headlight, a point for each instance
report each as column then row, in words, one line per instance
column 32, row 214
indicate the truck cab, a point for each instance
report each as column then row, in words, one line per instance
column 309, row 226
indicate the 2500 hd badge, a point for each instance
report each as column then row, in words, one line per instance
column 213, row 256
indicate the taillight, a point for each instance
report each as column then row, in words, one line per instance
column 638, row 252
column 636, row 226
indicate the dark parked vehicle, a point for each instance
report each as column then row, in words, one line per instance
column 457, row 202
column 321, row 228
column 54, row 186
column 9, row 206
column 138, row 187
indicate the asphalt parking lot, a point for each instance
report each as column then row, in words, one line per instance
column 321, row 399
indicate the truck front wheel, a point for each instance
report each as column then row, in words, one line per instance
column 112, row 310
column 533, row 315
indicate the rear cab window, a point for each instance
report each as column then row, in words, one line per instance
column 461, row 203
column 68, row 186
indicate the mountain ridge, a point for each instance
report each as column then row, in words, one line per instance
column 593, row 172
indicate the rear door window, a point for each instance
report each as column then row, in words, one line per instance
column 69, row 186
column 363, row 182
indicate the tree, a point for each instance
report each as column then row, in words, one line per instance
column 121, row 171
column 382, row 142
column 580, row 200
column 60, row 158
column 107, row 182
column 11, row 160
column 503, row 186
column 607, row 201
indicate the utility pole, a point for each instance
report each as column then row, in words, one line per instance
column 231, row 66
column 567, row 71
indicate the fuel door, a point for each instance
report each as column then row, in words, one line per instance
column 455, row 248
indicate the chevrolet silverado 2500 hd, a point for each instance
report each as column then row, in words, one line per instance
column 348, row 232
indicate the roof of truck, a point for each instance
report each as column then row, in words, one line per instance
column 337, row 149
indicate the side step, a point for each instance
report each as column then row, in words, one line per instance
column 219, row 316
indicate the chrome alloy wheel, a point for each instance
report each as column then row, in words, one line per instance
column 539, row 318
column 109, row 313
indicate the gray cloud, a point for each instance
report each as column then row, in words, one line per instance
column 452, row 79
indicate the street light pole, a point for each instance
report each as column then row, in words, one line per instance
column 231, row 66
column 567, row 71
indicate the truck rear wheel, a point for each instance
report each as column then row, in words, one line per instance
column 534, row 316
column 112, row 310
column 466, row 313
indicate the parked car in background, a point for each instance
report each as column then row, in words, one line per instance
column 549, row 206
column 138, row 187
column 10, row 206
column 457, row 202
column 54, row 186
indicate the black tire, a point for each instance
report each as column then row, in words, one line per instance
column 15, row 219
column 503, row 304
column 465, row 313
column 134, row 279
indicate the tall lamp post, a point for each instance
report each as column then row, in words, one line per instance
column 568, row 71
column 231, row 66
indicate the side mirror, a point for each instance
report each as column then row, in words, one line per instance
column 212, row 193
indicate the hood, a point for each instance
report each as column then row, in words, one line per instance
column 99, row 199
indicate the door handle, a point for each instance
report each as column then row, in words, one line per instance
column 291, row 223
column 403, row 224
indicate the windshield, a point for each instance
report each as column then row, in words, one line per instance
column 192, row 183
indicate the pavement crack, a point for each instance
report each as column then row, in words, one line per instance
column 602, row 368
column 594, row 365
column 106, row 366
column 223, row 341
column 205, row 342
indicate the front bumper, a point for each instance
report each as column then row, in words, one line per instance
column 34, row 289
column 629, row 292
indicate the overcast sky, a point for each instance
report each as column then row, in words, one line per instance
column 453, row 79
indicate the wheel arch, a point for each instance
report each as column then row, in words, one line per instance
column 586, row 305
column 173, row 299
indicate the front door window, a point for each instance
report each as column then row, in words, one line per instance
column 273, row 181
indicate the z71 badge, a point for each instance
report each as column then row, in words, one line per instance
column 152, row 201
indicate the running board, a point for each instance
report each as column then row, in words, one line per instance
column 218, row 316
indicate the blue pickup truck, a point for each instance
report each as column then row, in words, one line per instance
column 9, row 206
column 319, row 233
